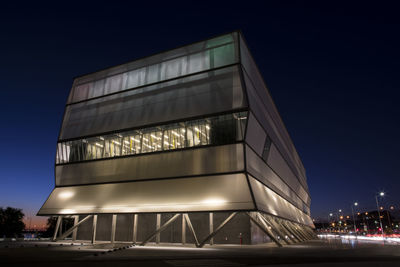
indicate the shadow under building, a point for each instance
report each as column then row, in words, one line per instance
column 184, row 146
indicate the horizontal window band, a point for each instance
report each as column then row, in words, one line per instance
column 244, row 109
column 148, row 153
column 154, row 83
column 158, row 53
column 145, row 66
column 216, row 130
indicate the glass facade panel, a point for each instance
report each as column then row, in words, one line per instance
column 211, row 92
column 213, row 53
column 217, row 130
column 267, row 146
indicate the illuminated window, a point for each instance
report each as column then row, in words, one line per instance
column 218, row 130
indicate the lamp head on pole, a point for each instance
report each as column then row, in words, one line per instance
column 382, row 194
column 356, row 204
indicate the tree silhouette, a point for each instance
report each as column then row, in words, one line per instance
column 51, row 225
column 11, row 224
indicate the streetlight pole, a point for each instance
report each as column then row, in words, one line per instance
column 354, row 220
column 379, row 213
column 388, row 218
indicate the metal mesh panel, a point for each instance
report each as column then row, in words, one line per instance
column 264, row 116
column 85, row 229
column 217, row 52
column 255, row 135
column 270, row 202
column 257, row 168
column 209, row 160
column 279, row 165
column 103, row 228
column 254, row 77
column 124, row 227
column 208, row 193
column 206, row 93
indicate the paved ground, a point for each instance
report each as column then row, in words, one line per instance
column 325, row 252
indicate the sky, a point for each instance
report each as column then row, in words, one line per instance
column 332, row 69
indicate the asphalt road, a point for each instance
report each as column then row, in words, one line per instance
column 326, row 252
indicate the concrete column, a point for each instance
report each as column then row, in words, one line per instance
column 158, row 236
column 94, row 227
column 61, row 226
column 183, row 230
column 135, row 225
column 75, row 232
column 211, row 220
column 113, row 226
column 59, row 219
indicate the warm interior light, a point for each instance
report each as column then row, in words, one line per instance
column 67, row 211
column 97, row 144
column 214, row 201
column 66, row 194
column 155, row 137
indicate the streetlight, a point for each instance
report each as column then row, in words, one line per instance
column 354, row 220
column 381, row 194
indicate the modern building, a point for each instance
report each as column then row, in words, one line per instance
column 184, row 146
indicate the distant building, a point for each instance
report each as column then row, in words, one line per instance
column 185, row 146
column 366, row 223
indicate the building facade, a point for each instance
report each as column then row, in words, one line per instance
column 185, row 146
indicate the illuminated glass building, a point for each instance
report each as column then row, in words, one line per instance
column 185, row 146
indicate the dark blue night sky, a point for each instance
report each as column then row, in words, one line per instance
column 333, row 70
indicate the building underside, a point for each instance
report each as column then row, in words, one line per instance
column 197, row 229
column 185, row 146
